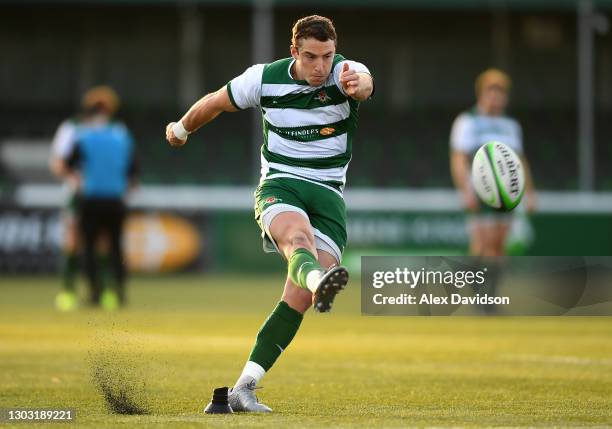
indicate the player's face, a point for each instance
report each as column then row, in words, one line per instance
column 313, row 60
column 493, row 100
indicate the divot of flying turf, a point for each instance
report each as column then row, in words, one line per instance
column 117, row 372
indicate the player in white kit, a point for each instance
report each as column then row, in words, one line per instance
column 486, row 122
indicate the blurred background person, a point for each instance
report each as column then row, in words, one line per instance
column 486, row 122
column 483, row 123
column 102, row 164
column 61, row 148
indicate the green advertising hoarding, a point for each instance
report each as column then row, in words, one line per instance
column 234, row 241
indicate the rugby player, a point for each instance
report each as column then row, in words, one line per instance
column 485, row 122
column 64, row 141
column 309, row 103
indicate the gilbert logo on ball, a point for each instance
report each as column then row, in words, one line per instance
column 498, row 176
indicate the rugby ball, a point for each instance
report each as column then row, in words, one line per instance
column 498, row 176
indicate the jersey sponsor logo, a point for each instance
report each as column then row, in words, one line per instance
column 298, row 133
column 309, row 133
column 323, row 97
column 327, row 131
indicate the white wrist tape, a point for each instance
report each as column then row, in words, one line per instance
column 179, row 131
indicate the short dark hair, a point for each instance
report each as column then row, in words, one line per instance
column 315, row 26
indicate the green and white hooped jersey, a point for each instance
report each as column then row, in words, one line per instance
column 471, row 130
column 308, row 131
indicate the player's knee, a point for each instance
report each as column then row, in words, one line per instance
column 300, row 239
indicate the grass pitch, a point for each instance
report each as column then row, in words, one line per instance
column 183, row 336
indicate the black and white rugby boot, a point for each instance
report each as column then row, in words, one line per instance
column 332, row 282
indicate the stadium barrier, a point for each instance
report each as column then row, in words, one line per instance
column 212, row 228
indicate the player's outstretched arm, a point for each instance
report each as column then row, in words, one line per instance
column 202, row 112
column 358, row 86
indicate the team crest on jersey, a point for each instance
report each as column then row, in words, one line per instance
column 323, row 97
column 272, row 200
column 327, row 131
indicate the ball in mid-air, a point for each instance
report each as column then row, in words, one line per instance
column 498, row 176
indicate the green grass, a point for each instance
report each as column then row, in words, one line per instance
column 184, row 336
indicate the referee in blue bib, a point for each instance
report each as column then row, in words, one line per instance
column 104, row 162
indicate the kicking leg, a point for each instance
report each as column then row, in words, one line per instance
column 293, row 235
column 281, row 326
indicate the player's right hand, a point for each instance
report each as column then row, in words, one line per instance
column 172, row 139
column 349, row 80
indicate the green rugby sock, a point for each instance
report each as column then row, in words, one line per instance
column 70, row 267
column 275, row 335
column 302, row 262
